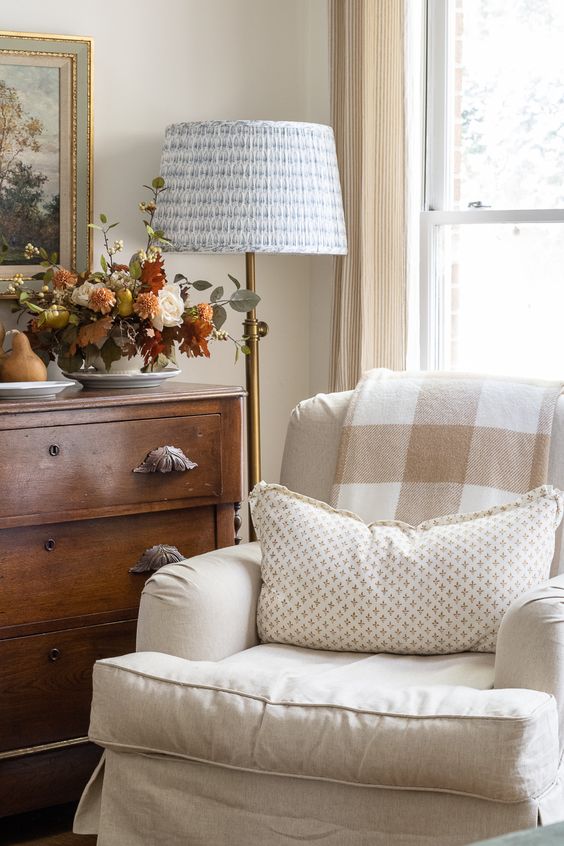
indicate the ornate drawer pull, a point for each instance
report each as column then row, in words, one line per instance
column 156, row 557
column 165, row 459
column 50, row 545
column 54, row 654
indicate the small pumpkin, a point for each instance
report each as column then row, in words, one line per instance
column 21, row 364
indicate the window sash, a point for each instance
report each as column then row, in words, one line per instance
column 433, row 300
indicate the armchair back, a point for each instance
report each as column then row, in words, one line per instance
column 312, row 443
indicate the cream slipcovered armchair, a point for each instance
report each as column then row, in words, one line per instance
column 264, row 744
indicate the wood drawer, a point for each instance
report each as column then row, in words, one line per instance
column 88, row 467
column 71, row 569
column 46, row 682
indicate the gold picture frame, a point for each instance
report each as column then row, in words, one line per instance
column 46, row 175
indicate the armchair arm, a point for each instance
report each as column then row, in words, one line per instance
column 203, row 608
column 530, row 644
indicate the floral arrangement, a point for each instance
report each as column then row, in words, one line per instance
column 124, row 309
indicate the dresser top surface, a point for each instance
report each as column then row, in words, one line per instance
column 76, row 397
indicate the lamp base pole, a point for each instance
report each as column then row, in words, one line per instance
column 254, row 330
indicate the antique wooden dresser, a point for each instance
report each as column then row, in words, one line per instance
column 89, row 482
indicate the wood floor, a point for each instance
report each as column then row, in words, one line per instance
column 52, row 827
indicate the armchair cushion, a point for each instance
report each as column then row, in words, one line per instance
column 332, row 582
column 329, row 721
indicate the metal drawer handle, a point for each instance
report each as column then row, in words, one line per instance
column 54, row 654
column 156, row 557
column 50, row 545
column 165, row 459
column 54, row 449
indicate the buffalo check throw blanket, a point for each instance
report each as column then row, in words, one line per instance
column 420, row 445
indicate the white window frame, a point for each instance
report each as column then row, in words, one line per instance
column 433, row 299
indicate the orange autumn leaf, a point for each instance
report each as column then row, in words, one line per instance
column 152, row 275
column 152, row 346
column 92, row 333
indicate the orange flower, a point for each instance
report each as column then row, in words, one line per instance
column 195, row 334
column 205, row 312
column 63, row 278
column 146, row 306
column 102, row 300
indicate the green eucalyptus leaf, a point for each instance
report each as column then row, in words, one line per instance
column 24, row 296
column 103, row 218
column 245, row 350
column 35, row 309
column 104, row 264
column 90, row 352
column 135, row 269
column 48, row 275
column 235, row 281
column 68, row 363
column 244, row 300
column 113, row 225
column 158, row 182
column 110, row 352
column 201, row 285
column 92, row 226
column 219, row 316
column 53, row 258
column 216, row 294
column 44, row 254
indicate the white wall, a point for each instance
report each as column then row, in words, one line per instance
column 180, row 60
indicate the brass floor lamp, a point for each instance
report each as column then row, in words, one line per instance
column 249, row 186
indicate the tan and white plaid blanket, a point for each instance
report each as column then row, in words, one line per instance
column 420, row 445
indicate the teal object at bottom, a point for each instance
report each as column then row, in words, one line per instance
column 548, row 835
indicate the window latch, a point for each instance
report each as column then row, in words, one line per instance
column 478, row 204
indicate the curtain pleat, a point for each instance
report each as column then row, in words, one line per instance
column 367, row 104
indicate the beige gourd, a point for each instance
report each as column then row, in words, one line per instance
column 21, row 364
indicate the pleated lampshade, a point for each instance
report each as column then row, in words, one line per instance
column 251, row 186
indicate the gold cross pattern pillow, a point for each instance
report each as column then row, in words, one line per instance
column 330, row 581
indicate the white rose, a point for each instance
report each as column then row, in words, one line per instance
column 171, row 307
column 81, row 294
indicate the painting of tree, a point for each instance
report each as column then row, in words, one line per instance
column 29, row 159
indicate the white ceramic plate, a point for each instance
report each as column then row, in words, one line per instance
column 135, row 379
column 31, row 390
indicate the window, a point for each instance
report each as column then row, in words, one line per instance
column 492, row 232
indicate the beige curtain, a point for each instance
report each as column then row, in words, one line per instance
column 367, row 103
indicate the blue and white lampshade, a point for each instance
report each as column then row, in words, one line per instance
column 251, row 186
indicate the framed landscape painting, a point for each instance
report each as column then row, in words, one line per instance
column 45, row 150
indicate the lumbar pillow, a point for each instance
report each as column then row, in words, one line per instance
column 332, row 582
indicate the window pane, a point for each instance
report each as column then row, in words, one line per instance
column 505, row 120
column 503, row 298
